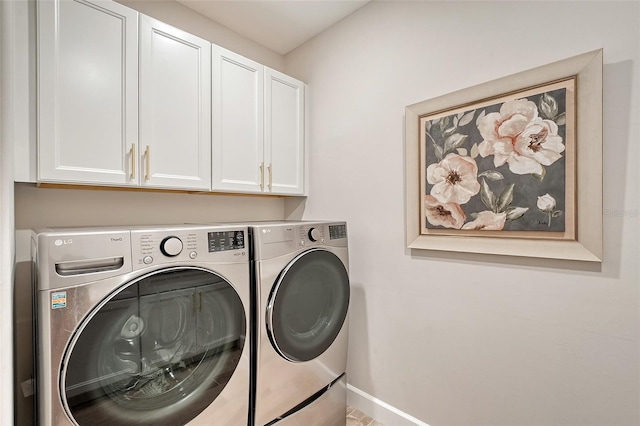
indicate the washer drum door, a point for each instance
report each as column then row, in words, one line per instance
column 308, row 305
column 159, row 351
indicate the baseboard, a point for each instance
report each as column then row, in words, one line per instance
column 379, row 410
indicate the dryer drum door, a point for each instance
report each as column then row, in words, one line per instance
column 308, row 305
column 159, row 351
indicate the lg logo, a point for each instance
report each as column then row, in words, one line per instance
column 63, row 242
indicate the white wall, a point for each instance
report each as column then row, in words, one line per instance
column 455, row 339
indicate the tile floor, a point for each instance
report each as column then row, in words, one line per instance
column 358, row 418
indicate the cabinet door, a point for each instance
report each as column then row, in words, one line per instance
column 175, row 107
column 284, row 133
column 87, row 91
column 237, row 157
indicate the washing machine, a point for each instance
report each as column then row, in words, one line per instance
column 302, row 297
column 142, row 325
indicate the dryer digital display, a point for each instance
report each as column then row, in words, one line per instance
column 337, row 231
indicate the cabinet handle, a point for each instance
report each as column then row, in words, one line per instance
column 262, row 176
column 147, row 171
column 270, row 176
column 133, row 161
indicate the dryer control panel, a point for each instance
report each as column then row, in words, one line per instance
column 322, row 233
column 283, row 238
column 188, row 244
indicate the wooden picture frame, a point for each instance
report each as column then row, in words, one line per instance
column 467, row 190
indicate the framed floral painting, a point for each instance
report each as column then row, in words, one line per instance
column 512, row 166
column 505, row 164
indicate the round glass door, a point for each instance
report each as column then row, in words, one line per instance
column 159, row 351
column 308, row 305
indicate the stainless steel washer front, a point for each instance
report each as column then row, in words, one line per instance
column 143, row 326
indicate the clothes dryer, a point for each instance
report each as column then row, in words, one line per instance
column 142, row 326
column 302, row 298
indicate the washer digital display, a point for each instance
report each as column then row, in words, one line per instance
column 226, row 240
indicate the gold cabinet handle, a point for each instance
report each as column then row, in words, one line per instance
column 270, row 176
column 147, row 171
column 262, row 176
column 133, row 161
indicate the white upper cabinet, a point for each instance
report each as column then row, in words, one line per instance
column 258, row 127
column 175, row 107
column 87, row 91
column 238, row 123
column 127, row 100
column 284, row 133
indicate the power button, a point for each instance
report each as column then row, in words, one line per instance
column 147, row 260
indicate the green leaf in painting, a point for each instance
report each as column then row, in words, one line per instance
column 505, row 198
column 449, row 131
column 438, row 151
column 462, row 151
column 444, row 123
column 540, row 176
column 480, row 117
column 556, row 213
column 454, row 141
column 489, row 174
column 474, row 151
column 487, row 196
column 427, row 126
column 466, row 119
column 515, row 213
column 561, row 119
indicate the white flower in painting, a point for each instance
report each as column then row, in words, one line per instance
column 487, row 221
column 517, row 136
column 454, row 179
column 500, row 129
column 538, row 145
column 449, row 215
column 546, row 203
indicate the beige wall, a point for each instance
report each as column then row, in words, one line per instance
column 455, row 339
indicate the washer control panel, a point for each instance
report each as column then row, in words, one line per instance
column 187, row 244
column 171, row 246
